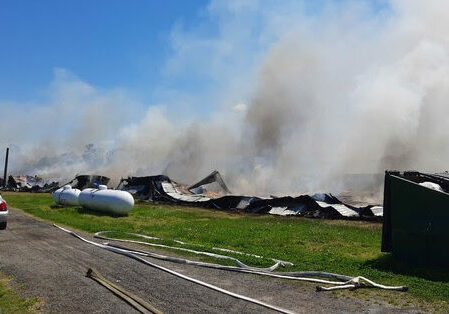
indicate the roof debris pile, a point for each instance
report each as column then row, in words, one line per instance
column 210, row 192
column 81, row 182
column 148, row 188
column 162, row 189
column 23, row 183
column 214, row 177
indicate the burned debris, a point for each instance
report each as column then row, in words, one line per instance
column 144, row 188
column 149, row 187
column 164, row 190
column 214, row 177
column 210, row 192
column 25, row 183
column 88, row 181
column 22, row 183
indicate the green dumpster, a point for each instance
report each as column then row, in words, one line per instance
column 416, row 217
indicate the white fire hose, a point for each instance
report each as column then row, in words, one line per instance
column 99, row 235
column 199, row 282
column 344, row 282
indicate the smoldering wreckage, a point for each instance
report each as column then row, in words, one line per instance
column 210, row 192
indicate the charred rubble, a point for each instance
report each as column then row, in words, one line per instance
column 81, row 182
column 22, row 183
column 210, row 192
column 162, row 189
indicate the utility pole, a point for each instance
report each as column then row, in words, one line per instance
column 6, row 167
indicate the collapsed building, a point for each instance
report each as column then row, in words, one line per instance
column 26, row 183
column 81, row 182
column 22, row 183
column 162, row 189
column 210, row 192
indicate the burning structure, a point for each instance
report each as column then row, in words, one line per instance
column 146, row 188
column 24, row 183
column 88, row 181
column 162, row 189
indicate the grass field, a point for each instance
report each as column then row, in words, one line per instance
column 10, row 302
column 345, row 247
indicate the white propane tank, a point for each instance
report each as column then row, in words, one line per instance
column 66, row 196
column 102, row 199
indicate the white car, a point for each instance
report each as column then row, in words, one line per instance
column 3, row 213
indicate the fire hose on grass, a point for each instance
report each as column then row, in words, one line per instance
column 199, row 282
column 345, row 282
column 277, row 263
column 250, row 270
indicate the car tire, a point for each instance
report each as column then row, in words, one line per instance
column 3, row 225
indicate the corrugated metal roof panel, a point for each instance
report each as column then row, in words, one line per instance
column 173, row 192
column 342, row 209
column 378, row 211
column 282, row 211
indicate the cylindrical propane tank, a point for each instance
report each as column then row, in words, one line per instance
column 102, row 199
column 66, row 196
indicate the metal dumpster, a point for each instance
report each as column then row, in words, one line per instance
column 416, row 217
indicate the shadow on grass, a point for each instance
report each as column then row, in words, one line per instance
column 58, row 206
column 389, row 264
column 82, row 211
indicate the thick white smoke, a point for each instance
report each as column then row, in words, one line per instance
column 350, row 93
column 345, row 90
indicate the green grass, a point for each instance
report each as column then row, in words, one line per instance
column 345, row 247
column 10, row 302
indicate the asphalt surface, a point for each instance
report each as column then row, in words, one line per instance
column 51, row 264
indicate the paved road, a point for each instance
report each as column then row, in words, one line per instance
column 52, row 264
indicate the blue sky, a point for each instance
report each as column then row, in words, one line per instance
column 105, row 42
column 159, row 51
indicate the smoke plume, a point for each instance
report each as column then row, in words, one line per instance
column 350, row 89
